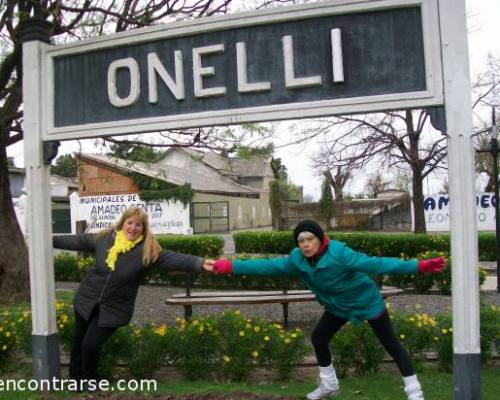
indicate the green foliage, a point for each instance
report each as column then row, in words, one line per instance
column 66, row 166
column 374, row 244
column 325, row 204
column 69, row 267
column 196, row 348
column 156, row 189
column 356, row 348
column 136, row 152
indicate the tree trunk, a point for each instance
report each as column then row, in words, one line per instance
column 14, row 275
column 418, row 202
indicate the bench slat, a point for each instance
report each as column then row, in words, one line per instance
column 240, row 300
column 242, row 293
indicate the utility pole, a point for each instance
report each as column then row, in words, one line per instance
column 494, row 153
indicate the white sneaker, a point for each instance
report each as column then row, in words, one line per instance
column 413, row 389
column 324, row 390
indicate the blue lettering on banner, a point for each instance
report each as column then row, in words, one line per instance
column 429, row 202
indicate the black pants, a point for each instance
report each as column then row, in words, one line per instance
column 329, row 324
column 87, row 344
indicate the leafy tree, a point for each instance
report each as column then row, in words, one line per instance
column 326, row 206
column 135, row 152
column 66, row 166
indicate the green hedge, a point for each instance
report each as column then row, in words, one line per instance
column 209, row 246
column 374, row 244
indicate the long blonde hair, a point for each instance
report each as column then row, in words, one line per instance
column 152, row 248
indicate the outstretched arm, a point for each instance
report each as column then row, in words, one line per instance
column 357, row 261
column 179, row 262
column 83, row 242
column 267, row 266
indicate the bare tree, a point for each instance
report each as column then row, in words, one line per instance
column 67, row 21
column 337, row 181
column 393, row 139
column 376, row 183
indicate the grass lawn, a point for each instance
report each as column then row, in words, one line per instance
column 380, row 386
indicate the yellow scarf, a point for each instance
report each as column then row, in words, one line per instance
column 121, row 245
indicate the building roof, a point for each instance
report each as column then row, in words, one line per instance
column 201, row 181
column 252, row 167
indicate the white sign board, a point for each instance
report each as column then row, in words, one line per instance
column 100, row 212
column 437, row 212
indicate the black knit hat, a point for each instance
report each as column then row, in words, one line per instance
column 308, row 226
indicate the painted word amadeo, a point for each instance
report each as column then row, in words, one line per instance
column 177, row 88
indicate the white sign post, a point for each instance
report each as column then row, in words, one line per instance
column 401, row 54
column 464, row 251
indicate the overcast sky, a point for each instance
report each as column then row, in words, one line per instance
column 484, row 38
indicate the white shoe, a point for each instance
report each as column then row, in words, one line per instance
column 328, row 384
column 323, row 391
column 413, row 389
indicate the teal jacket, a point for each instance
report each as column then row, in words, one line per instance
column 338, row 279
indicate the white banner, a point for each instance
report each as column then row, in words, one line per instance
column 102, row 211
column 437, row 212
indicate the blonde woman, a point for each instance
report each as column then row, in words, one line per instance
column 106, row 296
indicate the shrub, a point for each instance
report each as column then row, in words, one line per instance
column 283, row 350
column 196, row 349
column 443, row 343
column 375, row 244
column 66, row 266
column 7, row 336
column 197, row 245
column 147, row 350
column 416, row 332
column 356, row 348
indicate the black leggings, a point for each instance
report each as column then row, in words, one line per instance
column 86, row 347
column 329, row 324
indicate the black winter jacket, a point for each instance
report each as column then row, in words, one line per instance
column 116, row 291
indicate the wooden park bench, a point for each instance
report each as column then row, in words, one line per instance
column 284, row 297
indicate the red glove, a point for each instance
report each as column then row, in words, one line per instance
column 223, row 266
column 431, row 265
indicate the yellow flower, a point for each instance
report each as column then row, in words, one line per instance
column 451, row 329
column 287, row 340
column 444, row 331
column 267, row 338
column 61, row 326
column 256, row 329
column 237, row 312
column 402, row 336
column 436, row 338
column 419, row 325
column 294, row 335
column 248, row 326
column 195, row 322
column 242, row 333
column 226, row 359
column 4, row 347
column 160, row 330
column 255, row 354
column 7, row 334
column 1, row 328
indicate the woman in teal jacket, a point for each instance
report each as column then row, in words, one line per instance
column 337, row 275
